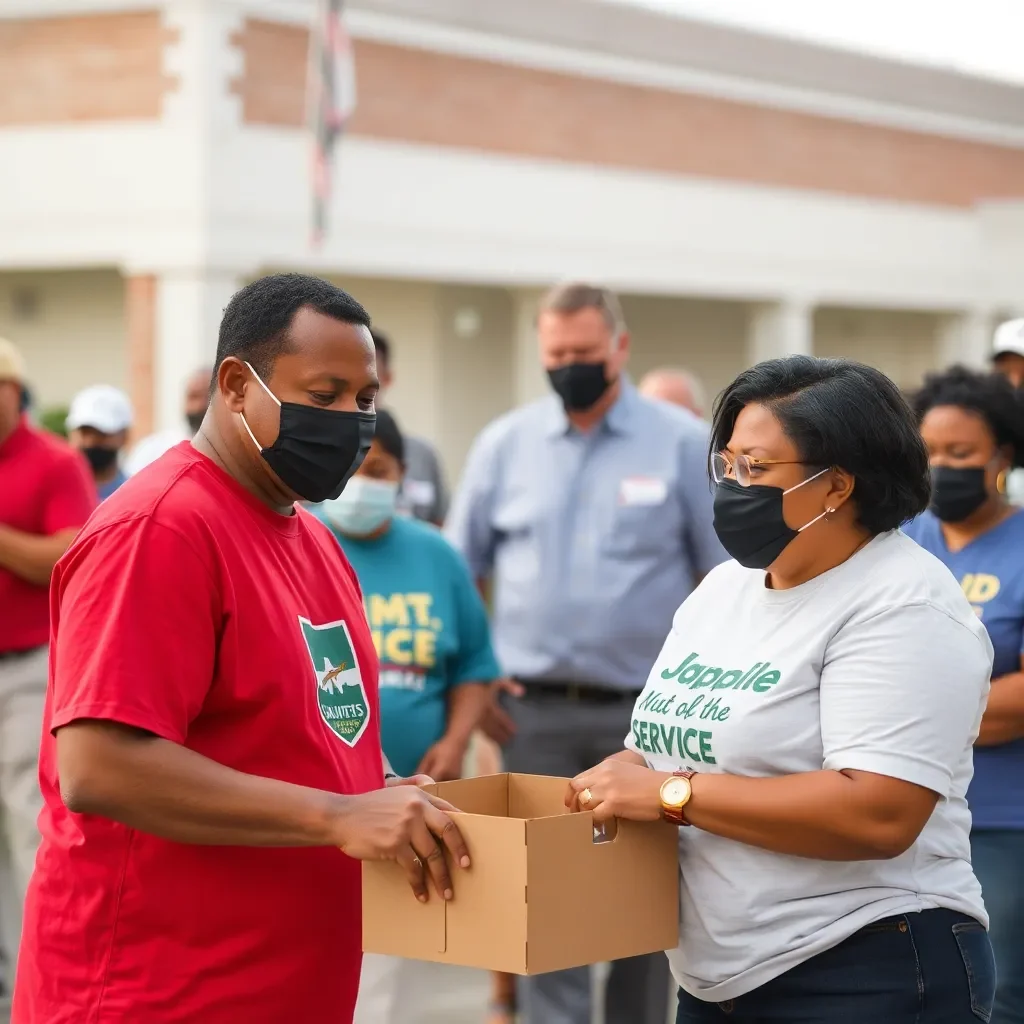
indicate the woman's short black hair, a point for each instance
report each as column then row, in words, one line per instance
column 990, row 395
column 840, row 413
column 388, row 435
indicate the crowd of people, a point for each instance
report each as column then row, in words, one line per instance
column 796, row 632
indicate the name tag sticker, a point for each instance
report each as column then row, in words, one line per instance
column 419, row 492
column 642, row 490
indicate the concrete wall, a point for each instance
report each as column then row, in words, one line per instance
column 70, row 327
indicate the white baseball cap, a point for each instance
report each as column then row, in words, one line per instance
column 1009, row 337
column 102, row 407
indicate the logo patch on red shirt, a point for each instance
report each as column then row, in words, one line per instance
column 340, row 692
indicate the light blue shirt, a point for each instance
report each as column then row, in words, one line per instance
column 592, row 541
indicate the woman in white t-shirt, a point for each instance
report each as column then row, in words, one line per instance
column 812, row 715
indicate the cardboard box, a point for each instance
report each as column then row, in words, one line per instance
column 541, row 894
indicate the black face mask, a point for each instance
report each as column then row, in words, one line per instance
column 100, row 459
column 579, row 385
column 957, row 492
column 750, row 523
column 317, row 450
column 195, row 421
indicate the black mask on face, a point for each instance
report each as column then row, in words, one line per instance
column 195, row 421
column 750, row 523
column 100, row 459
column 579, row 385
column 317, row 450
column 957, row 492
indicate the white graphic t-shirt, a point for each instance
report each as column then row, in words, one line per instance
column 878, row 665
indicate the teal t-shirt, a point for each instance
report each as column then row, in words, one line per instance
column 429, row 627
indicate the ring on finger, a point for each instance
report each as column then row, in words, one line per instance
column 586, row 797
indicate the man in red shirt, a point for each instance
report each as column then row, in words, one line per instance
column 46, row 495
column 212, row 739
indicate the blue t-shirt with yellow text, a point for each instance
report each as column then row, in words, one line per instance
column 991, row 572
column 430, row 629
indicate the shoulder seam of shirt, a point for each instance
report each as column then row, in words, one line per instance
column 917, row 602
column 148, row 518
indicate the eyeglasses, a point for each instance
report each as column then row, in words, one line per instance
column 739, row 467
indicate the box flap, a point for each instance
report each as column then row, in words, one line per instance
column 487, row 794
column 536, row 796
column 589, row 902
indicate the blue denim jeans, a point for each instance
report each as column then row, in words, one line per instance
column 935, row 967
column 998, row 858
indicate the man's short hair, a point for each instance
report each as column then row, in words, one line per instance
column 574, row 296
column 256, row 323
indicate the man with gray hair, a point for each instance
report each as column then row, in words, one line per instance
column 589, row 514
column 676, row 386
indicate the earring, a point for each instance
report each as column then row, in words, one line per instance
column 1001, row 481
column 828, row 512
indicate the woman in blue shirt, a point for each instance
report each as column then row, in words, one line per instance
column 430, row 629
column 973, row 425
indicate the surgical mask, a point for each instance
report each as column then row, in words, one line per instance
column 750, row 523
column 363, row 507
column 579, row 385
column 100, row 459
column 317, row 450
column 957, row 492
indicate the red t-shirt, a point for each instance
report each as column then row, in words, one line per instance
column 45, row 487
column 188, row 608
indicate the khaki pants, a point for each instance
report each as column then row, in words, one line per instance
column 22, row 695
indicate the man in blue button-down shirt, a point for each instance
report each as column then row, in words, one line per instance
column 590, row 514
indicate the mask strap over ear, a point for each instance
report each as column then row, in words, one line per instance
column 826, row 513
column 245, row 422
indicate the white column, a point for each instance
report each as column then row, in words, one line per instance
column 529, row 380
column 781, row 328
column 189, row 307
column 965, row 338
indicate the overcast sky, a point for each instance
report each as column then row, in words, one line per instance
column 980, row 36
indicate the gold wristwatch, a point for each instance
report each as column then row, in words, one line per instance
column 675, row 795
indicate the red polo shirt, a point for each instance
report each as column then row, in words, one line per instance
column 45, row 487
column 189, row 609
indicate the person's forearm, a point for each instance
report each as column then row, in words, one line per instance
column 167, row 790
column 824, row 815
column 465, row 709
column 30, row 556
column 1003, row 720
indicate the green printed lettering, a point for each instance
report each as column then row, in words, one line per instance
column 728, row 678
column 636, row 734
column 645, row 704
column 705, row 748
column 707, row 677
column 671, row 673
column 692, row 671
column 687, row 736
column 644, row 746
column 652, row 737
column 766, row 680
column 750, row 676
column 666, row 737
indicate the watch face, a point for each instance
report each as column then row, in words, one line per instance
column 676, row 792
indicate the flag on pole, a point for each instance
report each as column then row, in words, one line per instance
column 332, row 100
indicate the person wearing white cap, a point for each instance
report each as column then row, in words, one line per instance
column 97, row 425
column 1008, row 359
column 1008, row 351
